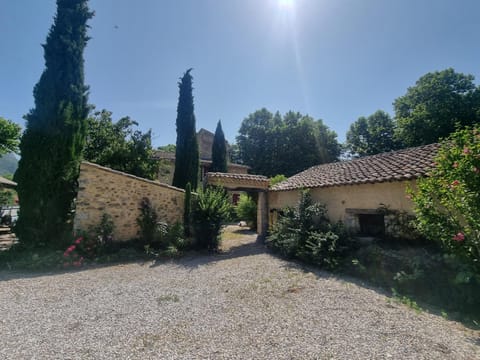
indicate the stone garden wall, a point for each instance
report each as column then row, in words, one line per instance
column 103, row 190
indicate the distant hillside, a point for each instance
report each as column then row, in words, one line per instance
column 8, row 164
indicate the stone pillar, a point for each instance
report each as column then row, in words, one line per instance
column 262, row 214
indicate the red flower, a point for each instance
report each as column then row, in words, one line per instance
column 459, row 237
column 455, row 183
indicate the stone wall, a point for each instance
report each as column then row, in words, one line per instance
column 103, row 190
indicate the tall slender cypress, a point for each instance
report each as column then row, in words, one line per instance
column 186, row 155
column 53, row 141
column 219, row 151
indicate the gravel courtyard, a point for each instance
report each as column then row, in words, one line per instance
column 241, row 304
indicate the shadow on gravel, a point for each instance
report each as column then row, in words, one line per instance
column 292, row 264
column 196, row 259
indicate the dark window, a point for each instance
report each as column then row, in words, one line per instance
column 371, row 224
column 235, row 198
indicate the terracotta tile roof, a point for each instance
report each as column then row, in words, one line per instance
column 163, row 155
column 239, row 180
column 7, row 183
column 250, row 177
column 392, row 166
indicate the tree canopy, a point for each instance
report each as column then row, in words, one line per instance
column 53, row 141
column 271, row 144
column 439, row 102
column 9, row 136
column 119, row 146
column 219, row 150
column 187, row 153
column 371, row 135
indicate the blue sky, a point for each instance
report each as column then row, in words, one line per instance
column 335, row 60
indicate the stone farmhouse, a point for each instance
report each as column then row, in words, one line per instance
column 353, row 191
column 205, row 142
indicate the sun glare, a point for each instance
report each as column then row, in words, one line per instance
column 286, row 4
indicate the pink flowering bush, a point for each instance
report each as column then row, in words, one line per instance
column 71, row 256
column 447, row 203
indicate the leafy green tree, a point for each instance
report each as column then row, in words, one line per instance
column 271, row 144
column 53, row 141
column 255, row 142
column 372, row 135
column 234, row 154
column 219, row 151
column 247, row 210
column 120, row 147
column 433, row 108
column 187, row 154
column 171, row 148
column 9, row 136
column 277, row 179
column 447, row 202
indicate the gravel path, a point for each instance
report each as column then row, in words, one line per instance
column 242, row 304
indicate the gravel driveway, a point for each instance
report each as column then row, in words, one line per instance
column 242, row 304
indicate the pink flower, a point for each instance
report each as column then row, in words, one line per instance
column 79, row 240
column 455, row 164
column 71, row 248
column 459, row 237
column 466, row 150
column 65, row 254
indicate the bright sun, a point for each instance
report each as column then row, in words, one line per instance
column 286, row 4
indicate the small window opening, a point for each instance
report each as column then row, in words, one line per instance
column 372, row 225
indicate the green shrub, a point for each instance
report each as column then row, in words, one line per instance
column 211, row 208
column 305, row 233
column 447, row 202
column 7, row 197
column 157, row 235
column 147, row 222
column 400, row 226
column 103, row 232
column 247, row 210
column 420, row 272
column 277, row 179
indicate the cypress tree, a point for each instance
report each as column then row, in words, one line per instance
column 186, row 154
column 52, row 143
column 219, row 151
